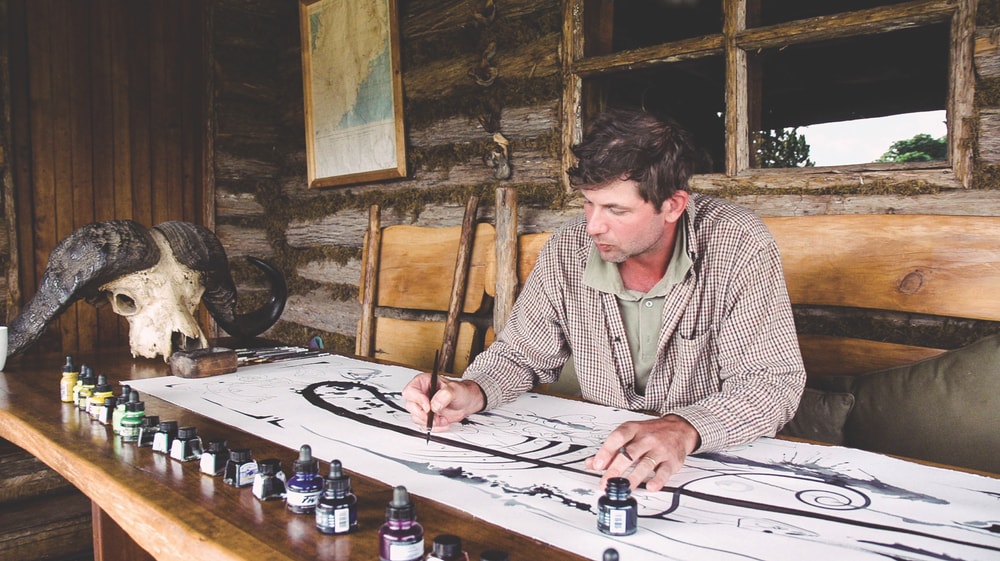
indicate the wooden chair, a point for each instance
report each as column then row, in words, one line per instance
column 418, row 284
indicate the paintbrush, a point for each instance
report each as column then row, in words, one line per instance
column 430, row 395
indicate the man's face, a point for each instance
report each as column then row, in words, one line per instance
column 624, row 226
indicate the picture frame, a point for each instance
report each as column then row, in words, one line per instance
column 352, row 90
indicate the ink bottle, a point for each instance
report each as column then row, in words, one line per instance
column 214, row 458
column 127, row 396
column 187, row 446
column 268, row 483
column 240, row 468
column 494, row 555
column 131, row 423
column 103, row 413
column 87, row 383
column 147, row 430
column 306, row 484
column 401, row 538
column 68, row 382
column 164, row 436
column 610, row 554
column 617, row 510
column 102, row 390
column 447, row 547
column 337, row 510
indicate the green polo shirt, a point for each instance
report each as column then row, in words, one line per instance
column 642, row 313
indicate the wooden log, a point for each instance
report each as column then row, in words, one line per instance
column 506, row 247
column 23, row 476
column 446, row 360
column 989, row 136
column 804, row 179
column 422, row 18
column 240, row 241
column 987, row 52
column 328, row 271
column 370, row 258
column 316, row 309
column 51, row 527
column 516, row 123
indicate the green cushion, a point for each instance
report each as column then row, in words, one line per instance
column 944, row 409
column 821, row 416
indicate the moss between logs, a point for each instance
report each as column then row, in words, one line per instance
column 988, row 92
column 875, row 187
column 986, row 177
column 988, row 13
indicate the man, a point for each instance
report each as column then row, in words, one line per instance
column 668, row 302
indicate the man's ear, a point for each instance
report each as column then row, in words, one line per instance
column 673, row 207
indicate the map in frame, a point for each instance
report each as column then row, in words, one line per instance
column 353, row 91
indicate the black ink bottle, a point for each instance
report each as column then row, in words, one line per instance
column 610, row 554
column 214, row 458
column 306, row 484
column 447, row 547
column 187, row 446
column 241, row 468
column 147, row 430
column 494, row 555
column 401, row 538
column 617, row 510
column 164, row 437
column 337, row 510
column 269, row 482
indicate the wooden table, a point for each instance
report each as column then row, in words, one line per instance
column 172, row 511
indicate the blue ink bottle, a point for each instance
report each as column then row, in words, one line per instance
column 213, row 460
column 164, row 436
column 610, row 554
column 306, row 484
column 337, row 511
column 401, row 538
column 617, row 510
column 269, row 481
column 447, row 547
column 240, row 469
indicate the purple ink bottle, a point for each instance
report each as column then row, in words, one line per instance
column 305, row 486
column 617, row 510
column 401, row 538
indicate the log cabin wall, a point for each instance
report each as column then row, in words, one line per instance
column 264, row 208
column 103, row 107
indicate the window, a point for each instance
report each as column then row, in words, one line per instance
column 747, row 76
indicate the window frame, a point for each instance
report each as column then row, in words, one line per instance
column 736, row 40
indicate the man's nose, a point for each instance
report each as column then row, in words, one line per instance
column 595, row 226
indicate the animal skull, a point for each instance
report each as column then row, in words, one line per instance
column 159, row 304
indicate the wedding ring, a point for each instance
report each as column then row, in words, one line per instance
column 653, row 463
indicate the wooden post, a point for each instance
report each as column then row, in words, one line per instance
column 457, row 300
column 506, row 248
column 369, row 283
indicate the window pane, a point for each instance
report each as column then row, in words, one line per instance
column 691, row 92
column 643, row 23
column 850, row 79
column 780, row 11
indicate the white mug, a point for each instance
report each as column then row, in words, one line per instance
column 3, row 346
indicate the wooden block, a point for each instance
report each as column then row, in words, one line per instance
column 203, row 363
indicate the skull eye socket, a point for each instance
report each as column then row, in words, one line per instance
column 124, row 304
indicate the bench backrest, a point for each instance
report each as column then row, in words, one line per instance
column 922, row 264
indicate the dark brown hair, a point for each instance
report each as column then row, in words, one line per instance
column 636, row 145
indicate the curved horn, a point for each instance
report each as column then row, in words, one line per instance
column 198, row 248
column 78, row 265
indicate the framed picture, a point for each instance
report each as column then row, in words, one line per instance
column 353, row 91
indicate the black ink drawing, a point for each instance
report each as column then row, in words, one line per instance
column 521, row 466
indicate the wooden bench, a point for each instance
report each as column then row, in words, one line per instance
column 881, row 283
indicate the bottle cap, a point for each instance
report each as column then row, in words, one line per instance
column 447, row 546
column 168, row 427
column 337, row 483
column 216, row 446
column 240, row 455
column 133, row 396
column 150, row 421
column 102, row 384
column 68, row 367
column 306, row 463
column 494, row 555
column 187, row 433
column 400, row 508
column 610, row 554
column 133, row 406
column 618, row 488
column 126, row 390
column 269, row 466
column 111, row 401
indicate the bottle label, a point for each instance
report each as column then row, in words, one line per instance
column 618, row 521
column 245, row 473
column 406, row 550
column 302, row 499
column 335, row 521
column 342, row 520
